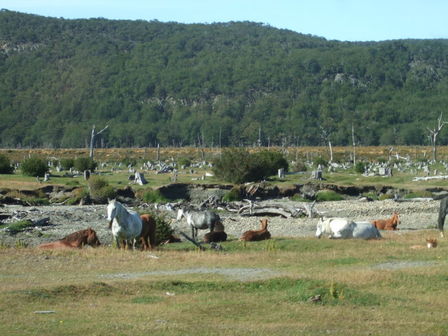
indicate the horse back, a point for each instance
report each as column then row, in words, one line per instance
column 59, row 244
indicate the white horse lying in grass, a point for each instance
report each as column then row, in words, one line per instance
column 343, row 228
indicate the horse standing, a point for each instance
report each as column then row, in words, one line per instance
column 443, row 211
column 148, row 233
column 199, row 220
column 387, row 224
column 343, row 228
column 126, row 224
column 75, row 240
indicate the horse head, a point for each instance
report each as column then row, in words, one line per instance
column 320, row 227
column 92, row 238
column 264, row 224
column 180, row 213
column 111, row 211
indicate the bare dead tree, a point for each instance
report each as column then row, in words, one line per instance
column 92, row 139
column 354, row 144
column 326, row 137
column 433, row 133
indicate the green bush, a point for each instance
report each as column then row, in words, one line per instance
column 186, row 162
column 67, row 163
column 100, row 190
column 320, row 161
column 5, row 165
column 84, row 163
column 127, row 161
column 154, row 196
column 34, row 166
column 328, row 195
column 269, row 162
column 163, row 229
column 360, row 167
column 237, row 165
column 300, row 166
column 232, row 195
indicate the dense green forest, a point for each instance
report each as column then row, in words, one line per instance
column 211, row 84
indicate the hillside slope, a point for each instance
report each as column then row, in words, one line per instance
column 222, row 83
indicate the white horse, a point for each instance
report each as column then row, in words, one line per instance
column 199, row 220
column 343, row 228
column 126, row 224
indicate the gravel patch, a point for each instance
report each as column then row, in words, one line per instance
column 240, row 274
column 67, row 219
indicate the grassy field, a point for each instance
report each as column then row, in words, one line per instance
column 395, row 286
column 120, row 178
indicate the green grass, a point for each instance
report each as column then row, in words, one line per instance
column 18, row 226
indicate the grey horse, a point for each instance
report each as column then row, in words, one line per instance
column 443, row 210
column 199, row 220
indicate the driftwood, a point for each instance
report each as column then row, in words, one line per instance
column 427, row 178
column 285, row 210
column 415, row 199
column 192, row 240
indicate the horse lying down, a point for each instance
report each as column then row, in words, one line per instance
column 344, row 228
column 74, row 240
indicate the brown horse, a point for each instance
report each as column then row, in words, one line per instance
column 75, row 240
column 148, row 234
column 256, row 235
column 387, row 224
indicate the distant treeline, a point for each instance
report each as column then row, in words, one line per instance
column 228, row 84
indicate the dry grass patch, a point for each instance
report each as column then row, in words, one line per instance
column 355, row 296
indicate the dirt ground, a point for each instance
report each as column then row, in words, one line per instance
column 64, row 220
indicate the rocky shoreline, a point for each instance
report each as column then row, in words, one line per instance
column 64, row 220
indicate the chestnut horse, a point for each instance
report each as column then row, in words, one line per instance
column 148, row 234
column 387, row 224
column 256, row 235
column 75, row 240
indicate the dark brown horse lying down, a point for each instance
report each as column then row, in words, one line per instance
column 75, row 240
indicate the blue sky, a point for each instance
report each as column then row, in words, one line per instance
column 345, row 20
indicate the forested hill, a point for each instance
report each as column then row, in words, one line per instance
column 211, row 84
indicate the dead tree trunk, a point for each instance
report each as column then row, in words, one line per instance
column 433, row 133
column 92, row 139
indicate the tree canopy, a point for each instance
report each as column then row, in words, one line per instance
column 223, row 84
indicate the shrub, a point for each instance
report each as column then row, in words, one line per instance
column 360, row 167
column 127, row 161
column 300, row 166
column 238, row 166
column 186, row 162
column 154, row 196
column 163, row 229
column 84, row 163
column 5, row 165
column 328, row 195
column 67, row 163
column 34, row 166
column 269, row 162
column 232, row 195
column 320, row 161
column 100, row 190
